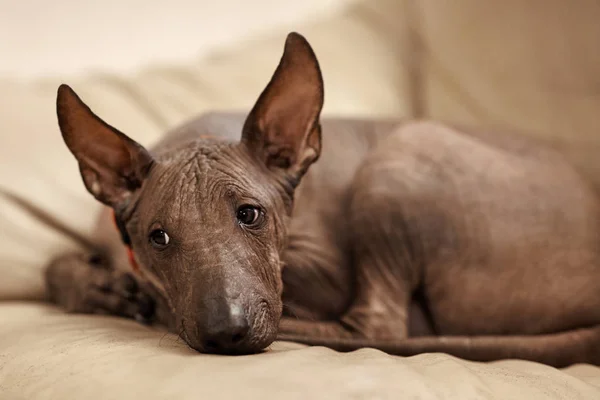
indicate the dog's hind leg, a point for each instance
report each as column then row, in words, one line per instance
column 83, row 283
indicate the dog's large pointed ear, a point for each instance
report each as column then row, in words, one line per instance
column 283, row 127
column 112, row 165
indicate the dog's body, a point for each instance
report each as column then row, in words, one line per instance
column 407, row 236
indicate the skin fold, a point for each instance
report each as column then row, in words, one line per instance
column 407, row 236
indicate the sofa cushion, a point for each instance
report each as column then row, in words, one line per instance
column 47, row 354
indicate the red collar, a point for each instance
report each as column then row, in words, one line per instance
column 130, row 256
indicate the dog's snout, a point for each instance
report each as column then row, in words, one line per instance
column 227, row 318
column 226, row 333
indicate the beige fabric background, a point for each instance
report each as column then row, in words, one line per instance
column 529, row 65
column 532, row 65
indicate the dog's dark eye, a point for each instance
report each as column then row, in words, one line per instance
column 159, row 238
column 248, row 215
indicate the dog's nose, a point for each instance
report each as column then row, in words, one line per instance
column 226, row 335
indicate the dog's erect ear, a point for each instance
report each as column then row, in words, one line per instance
column 112, row 165
column 283, row 127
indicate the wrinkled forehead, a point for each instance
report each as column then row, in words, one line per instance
column 202, row 177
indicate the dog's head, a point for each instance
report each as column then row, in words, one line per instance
column 208, row 220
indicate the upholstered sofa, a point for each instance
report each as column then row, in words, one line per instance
column 533, row 65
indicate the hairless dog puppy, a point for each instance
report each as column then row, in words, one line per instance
column 406, row 236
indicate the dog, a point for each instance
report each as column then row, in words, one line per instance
column 406, row 236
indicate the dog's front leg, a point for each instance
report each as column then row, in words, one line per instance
column 293, row 329
column 386, row 263
column 83, row 283
column 379, row 311
column 377, row 314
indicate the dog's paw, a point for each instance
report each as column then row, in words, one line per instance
column 121, row 295
column 85, row 284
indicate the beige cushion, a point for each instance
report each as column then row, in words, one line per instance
column 49, row 355
column 38, row 167
column 531, row 65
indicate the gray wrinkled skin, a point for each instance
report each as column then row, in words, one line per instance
column 406, row 236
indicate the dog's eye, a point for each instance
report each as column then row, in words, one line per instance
column 159, row 238
column 248, row 215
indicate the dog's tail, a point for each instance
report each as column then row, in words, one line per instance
column 47, row 219
column 557, row 349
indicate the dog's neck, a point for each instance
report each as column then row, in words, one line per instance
column 127, row 242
